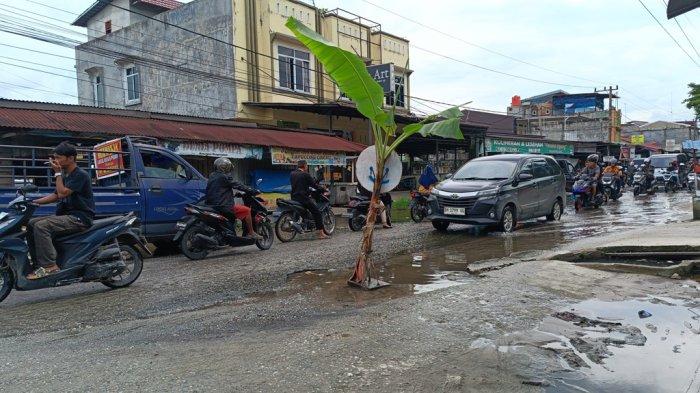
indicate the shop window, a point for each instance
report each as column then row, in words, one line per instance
column 132, row 85
column 294, row 69
column 160, row 166
column 98, row 92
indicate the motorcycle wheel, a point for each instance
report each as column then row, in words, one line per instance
column 328, row 222
column 134, row 266
column 283, row 228
column 356, row 223
column 6, row 283
column 265, row 230
column 188, row 247
column 578, row 204
column 636, row 190
column 417, row 213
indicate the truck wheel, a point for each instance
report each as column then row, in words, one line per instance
column 134, row 265
column 6, row 282
column 507, row 224
column 555, row 214
column 356, row 223
column 417, row 213
column 283, row 228
column 265, row 230
column 188, row 246
column 328, row 222
column 441, row 226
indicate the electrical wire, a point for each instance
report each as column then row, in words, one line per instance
column 668, row 33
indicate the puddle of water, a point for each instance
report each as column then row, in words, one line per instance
column 669, row 360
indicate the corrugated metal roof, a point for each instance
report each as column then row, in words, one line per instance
column 167, row 4
column 170, row 129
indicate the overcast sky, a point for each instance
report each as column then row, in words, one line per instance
column 592, row 42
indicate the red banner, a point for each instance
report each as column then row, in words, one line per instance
column 108, row 158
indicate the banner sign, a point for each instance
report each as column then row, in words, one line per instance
column 691, row 145
column 291, row 157
column 384, row 75
column 209, row 149
column 637, row 139
column 527, row 147
column 108, row 161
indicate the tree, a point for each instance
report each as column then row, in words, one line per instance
column 693, row 100
column 350, row 74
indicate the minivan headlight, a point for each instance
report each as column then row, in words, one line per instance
column 487, row 193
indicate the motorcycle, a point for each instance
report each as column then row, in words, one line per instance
column 292, row 218
column 205, row 228
column 109, row 252
column 669, row 178
column 358, row 208
column 420, row 208
column 691, row 181
column 642, row 185
column 611, row 187
column 582, row 193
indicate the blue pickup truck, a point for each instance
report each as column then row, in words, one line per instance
column 139, row 177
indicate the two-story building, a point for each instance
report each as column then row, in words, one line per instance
column 232, row 59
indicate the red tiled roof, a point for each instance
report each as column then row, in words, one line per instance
column 170, row 129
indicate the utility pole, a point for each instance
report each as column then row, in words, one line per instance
column 613, row 129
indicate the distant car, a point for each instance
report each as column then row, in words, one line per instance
column 500, row 191
column 569, row 172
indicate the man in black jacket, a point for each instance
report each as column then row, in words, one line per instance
column 301, row 181
column 219, row 193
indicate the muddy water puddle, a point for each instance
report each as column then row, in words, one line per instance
column 622, row 351
column 463, row 250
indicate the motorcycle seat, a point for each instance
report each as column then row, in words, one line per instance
column 290, row 202
column 96, row 224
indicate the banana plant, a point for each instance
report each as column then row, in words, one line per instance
column 350, row 74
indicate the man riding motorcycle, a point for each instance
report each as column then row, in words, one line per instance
column 301, row 181
column 648, row 170
column 219, row 193
column 592, row 170
column 615, row 170
column 75, row 210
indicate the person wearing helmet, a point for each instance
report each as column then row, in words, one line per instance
column 592, row 170
column 614, row 169
column 648, row 171
column 219, row 193
column 301, row 181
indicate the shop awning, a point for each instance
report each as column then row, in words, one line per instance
column 326, row 109
column 680, row 7
column 111, row 124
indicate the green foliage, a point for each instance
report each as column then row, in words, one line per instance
column 693, row 100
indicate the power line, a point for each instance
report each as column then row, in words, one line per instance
column 668, row 33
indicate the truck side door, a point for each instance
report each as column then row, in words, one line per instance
column 168, row 183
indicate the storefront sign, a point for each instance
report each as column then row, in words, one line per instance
column 108, row 159
column 384, row 75
column 637, row 139
column 527, row 147
column 209, row 149
column 291, row 157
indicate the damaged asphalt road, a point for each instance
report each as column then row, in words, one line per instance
column 236, row 323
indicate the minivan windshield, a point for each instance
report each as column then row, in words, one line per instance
column 486, row 170
column 662, row 161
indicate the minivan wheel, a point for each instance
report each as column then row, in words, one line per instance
column 555, row 214
column 441, row 226
column 507, row 224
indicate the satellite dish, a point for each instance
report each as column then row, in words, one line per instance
column 366, row 169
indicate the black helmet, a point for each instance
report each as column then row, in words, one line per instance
column 592, row 158
column 223, row 164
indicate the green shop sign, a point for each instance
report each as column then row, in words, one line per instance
column 527, row 147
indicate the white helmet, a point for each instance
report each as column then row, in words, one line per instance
column 223, row 165
column 613, row 161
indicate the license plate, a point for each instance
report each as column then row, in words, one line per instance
column 454, row 211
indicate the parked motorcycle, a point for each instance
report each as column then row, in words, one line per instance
column 205, row 228
column 109, row 252
column 643, row 184
column 420, row 208
column 582, row 190
column 292, row 218
column 611, row 187
column 357, row 212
